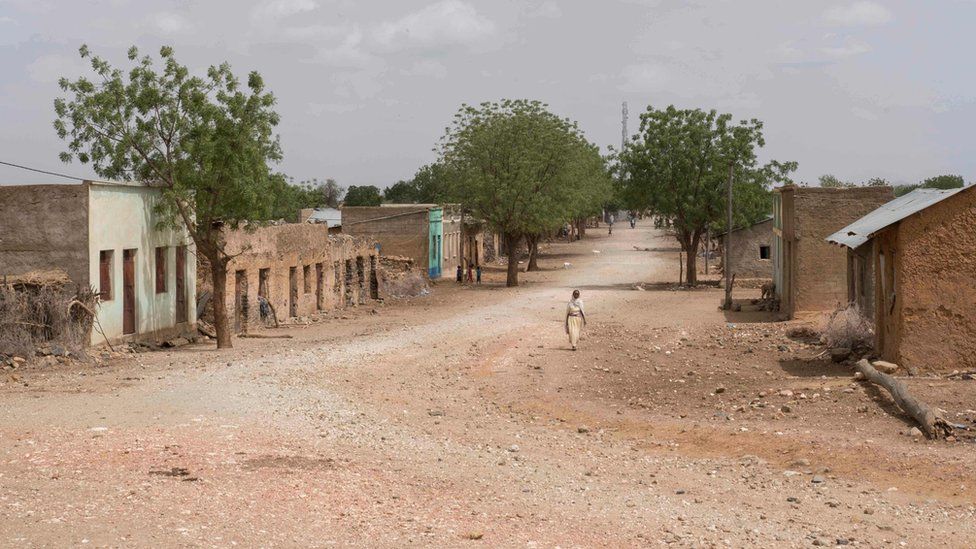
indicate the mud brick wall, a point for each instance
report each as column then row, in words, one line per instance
column 43, row 227
column 935, row 321
column 303, row 268
column 400, row 231
column 821, row 267
column 744, row 251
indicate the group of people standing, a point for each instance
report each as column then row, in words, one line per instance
column 474, row 274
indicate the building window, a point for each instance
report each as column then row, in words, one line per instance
column 307, row 278
column 764, row 252
column 161, row 269
column 105, row 274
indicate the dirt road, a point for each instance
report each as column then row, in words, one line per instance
column 462, row 419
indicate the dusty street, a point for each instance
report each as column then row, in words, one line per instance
column 462, row 419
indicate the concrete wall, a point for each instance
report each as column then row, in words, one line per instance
column 44, row 227
column 121, row 217
column 933, row 327
column 744, row 251
column 816, row 271
column 308, row 249
column 399, row 230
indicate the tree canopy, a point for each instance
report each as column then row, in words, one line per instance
column 943, row 182
column 521, row 169
column 677, row 167
column 363, row 195
column 207, row 141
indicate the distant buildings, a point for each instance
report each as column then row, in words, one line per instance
column 811, row 275
column 408, row 230
column 750, row 250
column 105, row 235
column 331, row 217
column 911, row 266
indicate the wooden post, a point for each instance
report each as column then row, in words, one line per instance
column 726, row 259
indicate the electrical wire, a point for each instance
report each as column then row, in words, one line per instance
column 28, row 168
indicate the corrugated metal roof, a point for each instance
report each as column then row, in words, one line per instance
column 864, row 229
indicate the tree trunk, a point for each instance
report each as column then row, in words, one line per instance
column 932, row 425
column 218, row 272
column 582, row 227
column 512, row 242
column 691, row 261
column 532, row 242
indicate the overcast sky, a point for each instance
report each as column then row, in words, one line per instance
column 365, row 88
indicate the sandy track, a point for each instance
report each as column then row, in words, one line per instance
column 462, row 416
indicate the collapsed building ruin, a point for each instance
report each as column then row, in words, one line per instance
column 294, row 270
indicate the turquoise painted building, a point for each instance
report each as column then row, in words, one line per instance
column 435, row 252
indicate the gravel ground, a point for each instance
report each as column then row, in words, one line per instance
column 462, row 419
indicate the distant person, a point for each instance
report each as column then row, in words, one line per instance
column 633, row 220
column 610, row 225
column 575, row 319
column 460, row 275
column 477, row 272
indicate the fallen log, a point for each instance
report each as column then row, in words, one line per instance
column 932, row 425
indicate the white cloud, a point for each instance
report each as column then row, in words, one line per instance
column 863, row 113
column 49, row 68
column 348, row 53
column 862, row 13
column 170, row 23
column 318, row 109
column 448, row 22
column 5, row 20
column 428, row 68
column 548, row 9
column 644, row 78
column 274, row 10
column 850, row 48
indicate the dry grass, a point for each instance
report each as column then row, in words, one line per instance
column 847, row 328
column 34, row 316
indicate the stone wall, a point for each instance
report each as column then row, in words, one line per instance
column 44, row 227
column 745, row 247
column 820, row 268
column 935, row 277
column 299, row 268
column 399, row 230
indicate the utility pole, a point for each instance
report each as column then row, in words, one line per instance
column 623, row 130
column 726, row 258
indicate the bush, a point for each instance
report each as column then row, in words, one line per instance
column 36, row 316
column 847, row 328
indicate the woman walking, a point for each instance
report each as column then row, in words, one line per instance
column 575, row 319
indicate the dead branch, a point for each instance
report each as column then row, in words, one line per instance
column 265, row 336
column 932, row 425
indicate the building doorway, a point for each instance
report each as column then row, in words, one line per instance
column 240, row 300
column 181, row 312
column 293, row 291
column 128, row 291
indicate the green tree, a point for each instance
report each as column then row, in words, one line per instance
column 944, row 182
column 433, row 184
column 514, row 163
column 332, row 193
column 363, row 195
column 206, row 141
column 829, row 181
column 678, row 167
column 401, row 192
